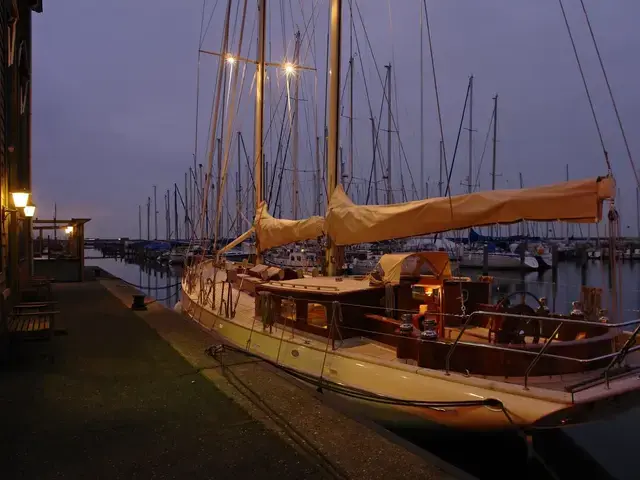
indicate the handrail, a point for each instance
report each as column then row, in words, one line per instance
column 622, row 353
column 540, row 353
column 455, row 342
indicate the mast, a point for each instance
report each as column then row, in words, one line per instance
column 352, row 64
column 375, row 169
column 389, row 194
column 423, row 186
column 220, row 193
column 239, row 208
column 470, row 186
column 175, row 210
column 295, row 148
column 185, row 204
column 140, row 222
column 155, row 214
column 333, row 259
column 148, row 218
column 259, row 110
column 495, row 150
column 567, row 178
column 440, row 182
column 638, row 210
column 317, row 184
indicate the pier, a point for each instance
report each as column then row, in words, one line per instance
column 135, row 394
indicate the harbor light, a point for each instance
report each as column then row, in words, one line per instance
column 29, row 211
column 289, row 68
column 20, row 199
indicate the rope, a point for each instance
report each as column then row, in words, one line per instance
column 613, row 101
column 435, row 85
column 586, row 87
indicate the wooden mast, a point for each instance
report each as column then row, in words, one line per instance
column 334, row 254
column 259, row 111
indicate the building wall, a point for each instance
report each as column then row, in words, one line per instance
column 15, row 137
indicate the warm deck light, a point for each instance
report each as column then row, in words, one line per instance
column 231, row 60
column 20, row 199
column 69, row 230
column 29, row 211
column 289, row 68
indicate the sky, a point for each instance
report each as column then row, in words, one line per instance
column 114, row 96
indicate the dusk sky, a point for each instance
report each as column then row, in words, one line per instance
column 114, row 94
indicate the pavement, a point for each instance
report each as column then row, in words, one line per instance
column 134, row 395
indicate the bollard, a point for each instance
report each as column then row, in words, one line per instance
column 138, row 302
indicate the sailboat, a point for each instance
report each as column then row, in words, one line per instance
column 412, row 343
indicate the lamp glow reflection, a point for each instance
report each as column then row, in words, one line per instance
column 289, row 68
column 29, row 211
column 20, row 199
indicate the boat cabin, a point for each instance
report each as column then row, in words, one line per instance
column 412, row 305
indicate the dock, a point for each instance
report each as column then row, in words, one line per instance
column 133, row 394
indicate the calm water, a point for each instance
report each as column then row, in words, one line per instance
column 610, row 446
column 161, row 282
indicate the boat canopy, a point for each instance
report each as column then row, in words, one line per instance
column 394, row 265
column 274, row 232
column 578, row 201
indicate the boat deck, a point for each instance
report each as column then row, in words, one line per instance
column 362, row 347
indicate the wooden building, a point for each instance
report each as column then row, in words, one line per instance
column 15, row 138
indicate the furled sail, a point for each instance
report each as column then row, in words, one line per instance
column 577, row 201
column 273, row 232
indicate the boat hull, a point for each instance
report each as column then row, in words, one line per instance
column 291, row 350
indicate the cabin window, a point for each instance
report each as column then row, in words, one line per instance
column 298, row 258
column 292, row 258
column 288, row 311
column 317, row 315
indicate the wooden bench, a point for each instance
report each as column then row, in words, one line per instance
column 29, row 321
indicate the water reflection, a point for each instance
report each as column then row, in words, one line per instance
column 155, row 280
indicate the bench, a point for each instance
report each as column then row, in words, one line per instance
column 29, row 321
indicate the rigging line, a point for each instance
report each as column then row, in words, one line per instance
column 486, row 141
column 376, row 147
column 455, row 150
column 613, row 101
column 203, row 34
column 435, row 84
column 586, row 87
column 393, row 119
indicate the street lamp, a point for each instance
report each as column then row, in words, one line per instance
column 20, row 198
column 29, row 211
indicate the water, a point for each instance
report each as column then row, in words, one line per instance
column 607, row 447
column 570, row 277
column 161, row 282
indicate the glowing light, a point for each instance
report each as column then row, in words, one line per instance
column 29, row 211
column 20, row 199
column 69, row 230
column 289, row 68
column 231, row 60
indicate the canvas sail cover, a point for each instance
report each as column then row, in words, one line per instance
column 273, row 232
column 577, row 201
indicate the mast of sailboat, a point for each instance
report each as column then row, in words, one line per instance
column 470, row 186
column 140, row 222
column 259, row 110
column 333, row 260
column 495, row 149
column 638, row 210
column 175, row 210
column 422, row 113
column 296, row 124
column 352, row 64
column 440, row 182
column 373, row 161
column 389, row 193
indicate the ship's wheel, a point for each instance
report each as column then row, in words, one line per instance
column 515, row 330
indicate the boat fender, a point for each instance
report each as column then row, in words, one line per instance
column 178, row 307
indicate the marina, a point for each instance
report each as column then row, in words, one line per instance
column 369, row 242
